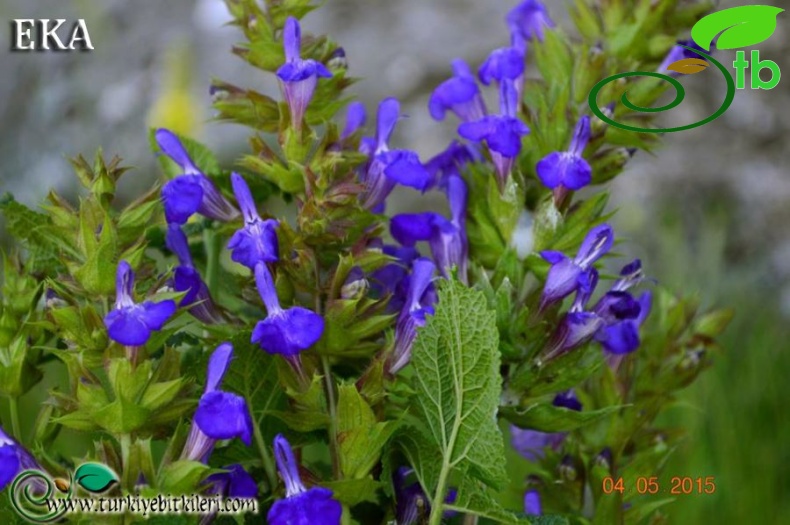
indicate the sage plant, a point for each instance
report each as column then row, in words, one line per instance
column 336, row 362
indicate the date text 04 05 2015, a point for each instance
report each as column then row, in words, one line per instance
column 652, row 485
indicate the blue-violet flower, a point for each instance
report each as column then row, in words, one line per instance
column 187, row 279
column 13, row 459
column 565, row 273
column 256, row 241
column 284, row 331
column 299, row 76
column 129, row 323
column 389, row 167
column 568, row 169
column 219, row 415
column 459, row 94
column 301, row 506
column 191, row 192
column 529, row 19
column 418, row 304
column 501, row 132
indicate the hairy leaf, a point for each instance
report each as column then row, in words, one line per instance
column 457, row 384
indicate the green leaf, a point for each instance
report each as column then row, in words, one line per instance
column 17, row 374
column 548, row 418
column 121, row 417
column 457, row 383
column 183, row 477
column 354, row 491
column 476, row 498
column 743, row 26
column 95, row 477
column 360, row 436
column 551, row 519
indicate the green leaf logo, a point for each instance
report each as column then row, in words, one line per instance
column 95, row 477
column 742, row 26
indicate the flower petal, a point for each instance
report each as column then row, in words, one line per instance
column 155, row 315
column 218, row 364
column 171, row 146
column 222, row 415
column 411, row 228
column 181, row 198
column 288, row 332
column 313, row 507
column 127, row 326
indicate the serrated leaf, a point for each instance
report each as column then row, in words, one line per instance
column 476, row 498
column 455, row 361
column 742, row 26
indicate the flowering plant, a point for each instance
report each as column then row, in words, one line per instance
column 343, row 365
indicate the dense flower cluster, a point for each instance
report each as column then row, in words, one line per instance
column 272, row 348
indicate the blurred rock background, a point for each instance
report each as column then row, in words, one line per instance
column 708, row 214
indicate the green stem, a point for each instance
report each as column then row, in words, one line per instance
column 125, row 441
column 266, row 459
column 212, row 247
column 330, row 395
column 13, row 403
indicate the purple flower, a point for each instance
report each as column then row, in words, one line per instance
column 450, row 162
column 418, row 304
column 284, row 331
column 532, row 506
column 630, row 275
column 568, row 169
column 219, row 415
column 389, row 167
column 129, row 323
column 501, row 132
column 393, row 278
column 235, row 483
column 13, row 459
column 506, row 63
column 679, row 53
column 191, row 192
column 529, row 19
column 355, row 119
column 623, row 315
column 565, row 273
column 447, row 238
column 187, row 279
column 301, row 506
column 256, row 241
column 458, row 94
column 531, row 443
column 299, row 76
column 411, row 501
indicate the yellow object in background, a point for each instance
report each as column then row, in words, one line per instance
column 176, row 107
